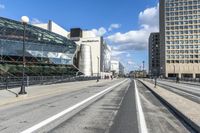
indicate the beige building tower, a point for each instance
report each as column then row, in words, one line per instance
column 180, row 38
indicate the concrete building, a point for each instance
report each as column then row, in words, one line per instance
column 180, row 38
column 138, row 74
column 94, row 54
column 117, row 68
column 53, row 27
column 154, row 54
column 100, row 52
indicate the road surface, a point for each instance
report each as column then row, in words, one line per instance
column 112, row 107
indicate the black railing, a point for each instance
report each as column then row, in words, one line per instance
column 11, row 82
column 186, row 79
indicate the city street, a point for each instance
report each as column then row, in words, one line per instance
column 130, row 66
column 110, row 106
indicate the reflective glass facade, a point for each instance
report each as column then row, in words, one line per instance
column 46, row 53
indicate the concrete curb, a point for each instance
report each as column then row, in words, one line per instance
column 176, row 111
column 185, row 82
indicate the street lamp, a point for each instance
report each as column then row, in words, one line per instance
column 143, row 68
column 24, row 20
column 98, row 69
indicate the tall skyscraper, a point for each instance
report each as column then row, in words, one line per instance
column 154, row 54
column 180, row 38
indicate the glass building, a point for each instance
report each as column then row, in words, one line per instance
column 180, row 38
column 46, row 53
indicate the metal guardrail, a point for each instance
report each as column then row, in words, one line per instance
column 195, row 80
column 11, row 82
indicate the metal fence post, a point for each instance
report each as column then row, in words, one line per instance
column 27, row 81
column 155, row 82
column 7, row 82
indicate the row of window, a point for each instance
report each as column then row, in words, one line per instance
column 178, row 23
column 183, row 51
column 183, row 46
column 193, row 18
column 183, row 61
column 181, row 8
column 182, row 37
column 182, row 32
column 183, row 27
column 189, row 22
column 170, row 3
column 186, row 12
column 181, row 13
column 182, row 56
column 183, row 42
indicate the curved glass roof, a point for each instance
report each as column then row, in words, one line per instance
column 13, row 30
column 42, row 48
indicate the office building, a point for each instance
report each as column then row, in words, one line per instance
column 117, row 68
column 97, row 55
column 94, row 57
column 154, row 54
column 46, row 53
column 180, row 38
column 53, row 27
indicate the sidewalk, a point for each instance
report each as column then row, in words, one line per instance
column 184, row 107
column 183, row 82
column 39, row 91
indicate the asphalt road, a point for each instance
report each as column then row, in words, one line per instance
column 115, row 112
column 158, row 117
column 21, row 116
column 126, row 120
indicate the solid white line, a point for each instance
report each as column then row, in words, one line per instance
column 142, row 122
column 51, row 119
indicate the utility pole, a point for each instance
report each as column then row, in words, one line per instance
column 143, row 68
column 98, row 69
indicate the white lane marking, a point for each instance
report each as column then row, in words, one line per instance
column 142, row 122
column 51, row 119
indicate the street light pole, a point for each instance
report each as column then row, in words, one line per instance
column 143, row 68
column 98, row 69
column 25, row 20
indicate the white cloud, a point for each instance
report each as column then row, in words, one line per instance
column 137, row 39
column 99, row 32
column 131, row 63
column 117, row 53
column 150, row 16
column 2, row 6
column 114, row 26
column 35, row 21
column 102, row 31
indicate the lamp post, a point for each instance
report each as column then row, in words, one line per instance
column 98, row 69
column 24, row 20
column 143, row 68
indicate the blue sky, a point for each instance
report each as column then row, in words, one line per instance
column 125, row 24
